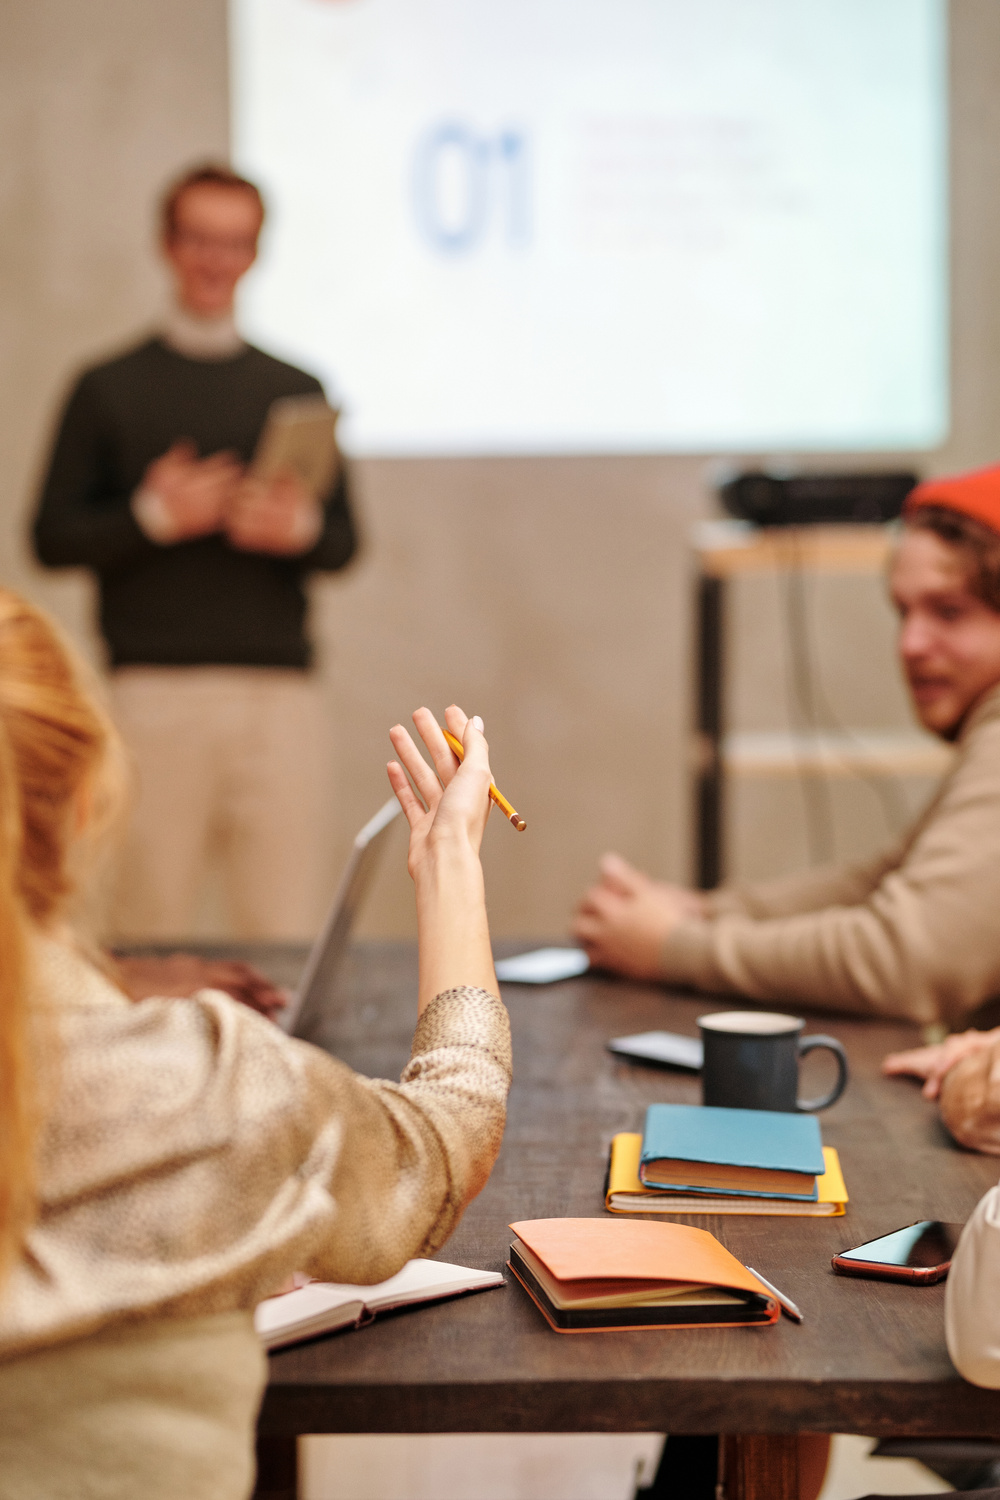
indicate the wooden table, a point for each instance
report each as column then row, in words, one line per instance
column 870, row 1357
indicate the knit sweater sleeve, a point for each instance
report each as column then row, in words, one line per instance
column 195, row 1156
column 807, row 890
column 414, row 1154
column 83, row 519
column 338, row 540
column 923, row 945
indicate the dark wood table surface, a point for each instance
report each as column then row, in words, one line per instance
column 869, row 1358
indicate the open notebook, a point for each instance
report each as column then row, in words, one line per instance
column 324, row 1306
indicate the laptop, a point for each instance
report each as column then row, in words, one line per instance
column 317, row 987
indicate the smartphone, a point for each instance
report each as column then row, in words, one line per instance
column 664, row 1047
column 919, row 1252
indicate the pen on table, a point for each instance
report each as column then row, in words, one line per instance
column 787, row 1305
column 495, row 792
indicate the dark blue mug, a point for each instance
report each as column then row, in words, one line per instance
column 752, row 1061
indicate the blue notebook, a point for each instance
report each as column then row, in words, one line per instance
column 752, row 1153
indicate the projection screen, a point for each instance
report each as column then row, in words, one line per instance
column 530, row 226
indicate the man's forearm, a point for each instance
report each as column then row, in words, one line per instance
column 848, row 958
column 81, row 521
column 68, row 535
column 338, row 540
column 805, row 891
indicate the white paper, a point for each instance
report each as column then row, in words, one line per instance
column 543, row 966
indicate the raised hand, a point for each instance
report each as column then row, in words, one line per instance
column 432, row 815
column 446, row 806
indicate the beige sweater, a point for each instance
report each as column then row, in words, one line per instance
column 158, row 1410
column 192, row 1157
column 914, row 933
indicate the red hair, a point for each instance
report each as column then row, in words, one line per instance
column 59, row 760
column 209, row 175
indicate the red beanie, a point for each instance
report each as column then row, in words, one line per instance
column 976, row 495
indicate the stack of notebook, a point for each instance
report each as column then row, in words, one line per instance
column 590, row 1275
column 699, row 1159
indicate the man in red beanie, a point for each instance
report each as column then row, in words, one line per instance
column 916, row 932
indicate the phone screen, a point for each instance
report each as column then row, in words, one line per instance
column 919, row 1246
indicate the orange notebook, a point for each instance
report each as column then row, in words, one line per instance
column 591, row 1275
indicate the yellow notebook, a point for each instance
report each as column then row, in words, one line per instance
column 626, row 1194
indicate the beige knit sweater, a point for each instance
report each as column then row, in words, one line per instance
column 193, row 1156
column 914, row 933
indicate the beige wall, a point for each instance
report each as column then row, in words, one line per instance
column 99, row 102
column 551, row 595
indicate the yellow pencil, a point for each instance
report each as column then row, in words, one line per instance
column 497, row 796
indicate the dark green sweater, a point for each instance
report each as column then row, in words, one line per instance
column 198, row 602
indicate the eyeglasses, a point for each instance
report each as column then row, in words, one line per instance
column 235, row 245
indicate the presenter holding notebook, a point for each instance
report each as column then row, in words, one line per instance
column 198, row 478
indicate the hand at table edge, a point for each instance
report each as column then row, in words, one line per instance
column 180, row 975
column 933, row 1063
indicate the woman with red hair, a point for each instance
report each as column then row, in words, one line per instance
column 166, row 1164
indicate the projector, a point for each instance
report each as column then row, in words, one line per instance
column 812, row 499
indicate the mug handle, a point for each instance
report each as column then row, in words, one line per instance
column 810, row 1044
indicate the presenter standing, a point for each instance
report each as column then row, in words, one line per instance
column 201, row 570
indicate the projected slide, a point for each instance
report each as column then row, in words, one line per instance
column 530, row 226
